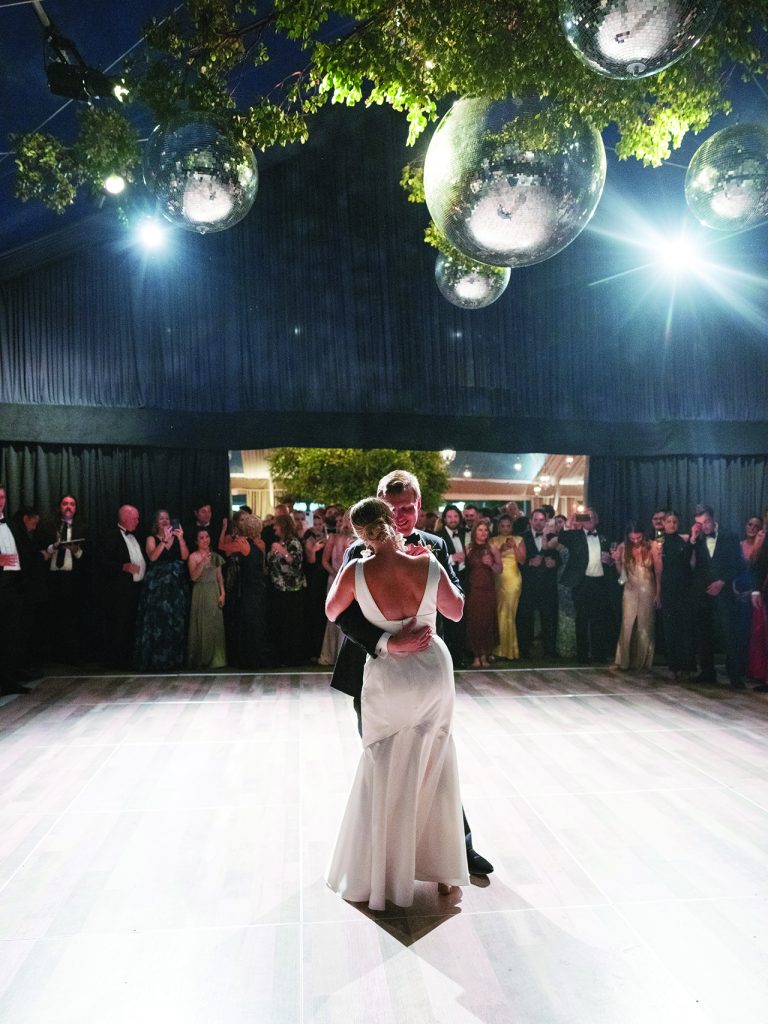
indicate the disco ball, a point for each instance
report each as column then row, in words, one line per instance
column 499, row 197
column 470, row 287
column 204, row 178
column 727, row 181
column 634, row 38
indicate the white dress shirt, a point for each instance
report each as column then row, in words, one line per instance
column 135, row 556
column 8, row 546
column 595, row 564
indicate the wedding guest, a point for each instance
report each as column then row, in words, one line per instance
column 754, row 537
column 508, row 587
column 11, row 606
column 483, row 564
column 285, row 564
column 470, row 515
column 717, row 562
column 202, row 514
column 758, row 641
column 456, row 538
column 333, row 558
column 63, row 536
column 672, row 561
column 245, row 608
column 34, row 619
column 589, row 574
column 121, row 568
column 539, row 586
column 161, row 622
column 206, row 647
column 635, row 565
column 314, row 540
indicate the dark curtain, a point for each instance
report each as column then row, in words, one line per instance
column 103, row 478
column 628, row 489
column 320, row 309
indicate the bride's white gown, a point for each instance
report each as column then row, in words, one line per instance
column 403, row 819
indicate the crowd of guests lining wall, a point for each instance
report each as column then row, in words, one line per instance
column 247, row 593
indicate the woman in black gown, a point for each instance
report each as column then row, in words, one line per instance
column 161, row 624
column 672, row 562
column 247, row 644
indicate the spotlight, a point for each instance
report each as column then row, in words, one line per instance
column 517, row 467
column 114, row 184
column 466, row 472
column 569, row 460
column 151, row 233
column 678, row 255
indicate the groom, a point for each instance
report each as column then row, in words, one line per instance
column 401, row 491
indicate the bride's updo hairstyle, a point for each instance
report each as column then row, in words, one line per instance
column 372, row 520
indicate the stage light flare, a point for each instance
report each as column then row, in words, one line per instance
column 151, row 233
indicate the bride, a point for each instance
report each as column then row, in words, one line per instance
column 403, row 820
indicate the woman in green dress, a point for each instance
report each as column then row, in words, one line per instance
column 206, row 647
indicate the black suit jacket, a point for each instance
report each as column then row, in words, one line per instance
column 538, row 576
column 361, row 636
column 111, row 555
column 726, row 563
column 578, row 556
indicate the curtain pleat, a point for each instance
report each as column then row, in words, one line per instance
column 103, row 478
column 323, row 300
column 631, row 489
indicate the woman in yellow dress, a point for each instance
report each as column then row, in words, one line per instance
column 508, row 586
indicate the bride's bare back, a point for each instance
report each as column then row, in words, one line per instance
column 397, row 583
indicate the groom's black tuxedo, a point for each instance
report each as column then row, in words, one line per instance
column 360, row 636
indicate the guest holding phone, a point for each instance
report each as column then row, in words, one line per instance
column 161, row 623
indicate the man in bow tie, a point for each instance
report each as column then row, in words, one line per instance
column 590, row 575
column 11, row 606
column 401, row 491
column 62, row 538
column 716, row 564
column 121, row 567
column 456, row 539
column 539, row 590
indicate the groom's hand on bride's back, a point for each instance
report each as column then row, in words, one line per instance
column 410, row 640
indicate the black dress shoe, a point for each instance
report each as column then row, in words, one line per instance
column 478, row 865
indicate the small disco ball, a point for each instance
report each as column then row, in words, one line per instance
column 467, row 287
column 727, row 181
column 634, row 38
column 496, row 196
column 204, row 178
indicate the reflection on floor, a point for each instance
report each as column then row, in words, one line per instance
column 163, row 842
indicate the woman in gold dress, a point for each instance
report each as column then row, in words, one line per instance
column 635, row 564
column 508, row 586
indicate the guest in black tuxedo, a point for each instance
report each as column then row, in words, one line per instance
column 590, row 574
column 202, row 515
column 456, row 539
column 717, row 562
column 11, row 606
column 539, row 590
column 25, row 527
column 121, row 568
column 402, row 493
column 66, row 580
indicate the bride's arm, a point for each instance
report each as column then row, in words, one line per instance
column 342, row 592
column 450, row 601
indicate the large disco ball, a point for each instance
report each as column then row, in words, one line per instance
column 498, row 194
column 470, row 287
column 634, row 38
column 204, row 178
column 727, row 181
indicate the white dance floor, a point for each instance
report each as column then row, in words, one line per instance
column 163, row 842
